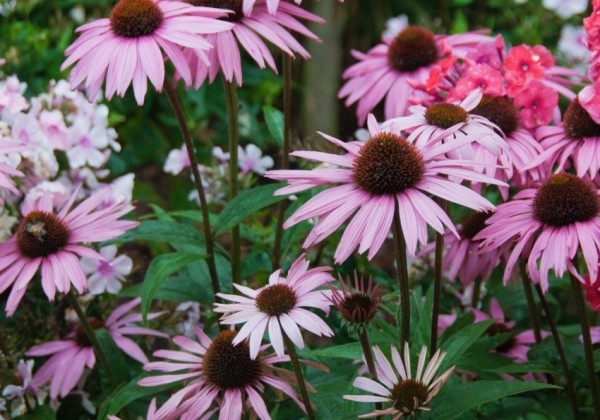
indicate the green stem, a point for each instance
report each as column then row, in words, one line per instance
column 298, row 371
column 287, row 146
column 400, row 253
column 232, row 111
column 437, row 283
column 89, row 331
column 189, row 145
column 561, row 351
column 476, row 293
column 363, row 337
column 587, row 342
column 531, row 306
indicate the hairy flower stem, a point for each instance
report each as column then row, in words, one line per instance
column 531, row 306
column 587, row 342
column 363, row 337
column 287, row 146
column 561, row 351
column 89, row 331
column 476, row 293
column 291, row 350
column 232, row 112
column 402, row 267
column 437, row 283
column 189, row 145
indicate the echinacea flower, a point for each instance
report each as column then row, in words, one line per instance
column 517, row 345
column 50, row 242
column 357, row 305
column 376, row 177
column 550, row 225
column 247, row 30
column 407, row 395
column 70, row 356
column 576, row 140
column 107, row 274
column 449, row 122
column 388, row 69
column 272, row 5
column 279, row 307
column 219, row 373
column 128, row 47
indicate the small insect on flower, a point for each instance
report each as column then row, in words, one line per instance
column 36, row 230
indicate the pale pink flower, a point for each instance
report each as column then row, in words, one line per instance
column 108, row 274
column 50, row 242
column 128, row 47
column 247, row 30
column 405, row 392
column 11, row 96
column 70, row 356
column 221, row 156
column 88, row 144
column 566, row 9
column 272, row 5
column 389, row 69
column 25, row 386
column 251, row 159
column 517, row 345
column 53, row 125
column 279, row 307
column 7, row 147
column 576, row 141
column 177, row 160
column 548, row 225
column 376, row 176
column 217, row 372
column 572, row 48
column 56, row 191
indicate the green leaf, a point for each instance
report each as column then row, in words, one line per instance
column 452, row 401
column 275, row 124
column 517, row 368
column 174, row 233
column 129, row 392
column 351, row 351
column 176, row 288
column 41, row 412
column 114, row 356
column 245, row 204
column 160, row 268
column 458, row 343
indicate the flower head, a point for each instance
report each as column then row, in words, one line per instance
column 279, row 307
column 50, row 242
column 247, row 29
column 357, row 305
column 386, row 172
column 128, row 47
column 407, row 395
column 106, row 275
column 220, row 371
column 70, row 356
column 389, row 69
column 251, row 160
column 549, row 224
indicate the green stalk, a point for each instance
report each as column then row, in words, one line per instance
column 189, row 145
column 437, row 283
column 401, row 262
column 531, row 306
column 232, row 112
column 291, row 350
column 287, row 146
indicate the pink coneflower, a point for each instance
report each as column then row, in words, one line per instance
column 375, row 177
column 450, row 122
column 70, row 356
column 50, row 241
column 126, row 48
column 357, row 305
column 517, row 345
column 549, row 224
column 576, row 140
column 272, row 5
column 388, row 69
column 279, row 307
column 407, row 395
column 220, row 372
column 247, row 30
